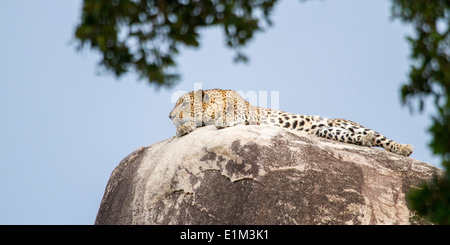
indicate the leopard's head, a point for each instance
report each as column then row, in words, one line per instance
column 187, row 107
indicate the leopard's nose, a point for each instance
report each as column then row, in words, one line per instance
column 171, row 117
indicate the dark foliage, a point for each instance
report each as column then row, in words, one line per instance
column 145, row 35
column 430, row 77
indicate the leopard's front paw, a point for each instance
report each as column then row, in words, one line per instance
column 185, row 129
column 220, row 123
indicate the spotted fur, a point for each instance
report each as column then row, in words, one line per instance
column 226, row 108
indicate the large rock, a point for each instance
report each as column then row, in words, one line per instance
column 260, row 175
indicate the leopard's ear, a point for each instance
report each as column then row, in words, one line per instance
column 198, row 95
column 201, row 95
column 205, row 97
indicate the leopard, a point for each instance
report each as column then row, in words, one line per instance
column 226, row 108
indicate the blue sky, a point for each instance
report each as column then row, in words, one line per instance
column 65, row 125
